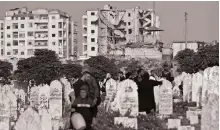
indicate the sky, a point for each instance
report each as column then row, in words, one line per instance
column 203, row 17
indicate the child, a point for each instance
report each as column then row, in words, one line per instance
column 84, row 105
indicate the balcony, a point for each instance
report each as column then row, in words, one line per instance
column 42, row 43
column 41, row 36
column 41, row 20
column 41, row 27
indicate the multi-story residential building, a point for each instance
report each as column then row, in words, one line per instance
column 1, row 37
column 26, row 31
column 181, row 45
column 112, row 28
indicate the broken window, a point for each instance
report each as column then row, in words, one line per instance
column 92, row 39
column 92, row 13
column 92, row 31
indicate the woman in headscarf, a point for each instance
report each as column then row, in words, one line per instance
column 146, row 94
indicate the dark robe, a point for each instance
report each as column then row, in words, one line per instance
column 146, row 94
column 77, row 86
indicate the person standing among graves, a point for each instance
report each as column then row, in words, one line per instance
column 84, row 105
column 94, row 89
column 146, row 94
column 108, row 76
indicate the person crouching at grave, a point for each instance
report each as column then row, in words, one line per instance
column 84, row 105
column 146, row 94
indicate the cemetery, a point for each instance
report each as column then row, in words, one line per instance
column 46, row 105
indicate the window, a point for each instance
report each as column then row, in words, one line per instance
column 30, row 34
column 22, row 43
column 2, row 35
column 92, row 13
column 8, row 35
column 60, row 24
column 60, row 33
column 29, row 43
column 30, row 25
column 22, row 18
column 92, row 39
column 22, row 53
column 1, row 26
column 31, row 17
column 15, row 34
column 30, row 52
column 54, row 43
column 129, row 31
column 53, row 17
column 15, row 51
column 92, row 48
column 8, row 44
column 2, row 52
column 53, row 35
column 8, row 27
column 129, row 23
column 8, row 53
column 15, row 42
column 22, row 25
column 15, row 25
column 53, row 26
column 85, row 47
column 92, row 31
column 129, row 14
column 22, row 35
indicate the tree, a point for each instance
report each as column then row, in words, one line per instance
column 185, row 59
column 101, row 65
column 71, row 70
column 44, row 67
column 5, row 71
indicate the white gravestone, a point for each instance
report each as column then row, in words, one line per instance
column 22, row 95
column 157, row 96
column 205, row 85
column 4, row 123
column 173, row 123
column 186, row 128
column 111, row 88
column 34, row 94
column 12, row 104
column 166, row 98
column 43, row 99
column 194, row 120
column 128, row 98
column 191, row 113
column 187, row 87
column 56, row 99
column 126, row 122
column 67, row 89
column 29, row 120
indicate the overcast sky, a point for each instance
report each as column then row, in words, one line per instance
column 203, row 17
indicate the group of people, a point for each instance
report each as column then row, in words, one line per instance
column 87, row 97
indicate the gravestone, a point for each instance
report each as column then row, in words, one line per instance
column 4, row 122
column 111, row 88
column 34, row 96
column 67, row 89
column 166, row 98
column 128, row 98
column 157, row 96
column 205, row 85
column 194, row 87
column 187, row 87
column 56, row 99
column 46, row 122
column 22, row 95
column 194, row 120
column 214, row 80
column 29, row 120
column 43, row 99
column 210, row 113
column 173, row 123
column 12, row 104
column 186, row 128
column 126, row 122
column 191, row 113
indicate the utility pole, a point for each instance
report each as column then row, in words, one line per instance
column 186, row 30
column 154, row 17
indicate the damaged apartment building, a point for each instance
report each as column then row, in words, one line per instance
column 111, row 31
column 23, row 31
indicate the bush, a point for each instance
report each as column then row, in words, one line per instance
column 5, row 71
column 101, row 65
column 71, row 70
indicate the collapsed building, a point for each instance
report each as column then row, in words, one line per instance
column 114, row 32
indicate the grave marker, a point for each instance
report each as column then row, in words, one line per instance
column 186, row 128
column 194, row 120
column 173, row 123
column 166, row 98
column 43, row 99
column 126, row 122
column 56, row 99
column 34, row 96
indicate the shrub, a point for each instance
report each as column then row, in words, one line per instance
column 101, row 65
column 5, row 71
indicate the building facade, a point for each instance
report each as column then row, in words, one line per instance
column 110, row 28
column 26, row 31
column 181, row 45
column 1, row 37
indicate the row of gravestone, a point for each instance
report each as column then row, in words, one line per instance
column 197, row 87
column 204, row 88
column 123, row 97
column 46, row 99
